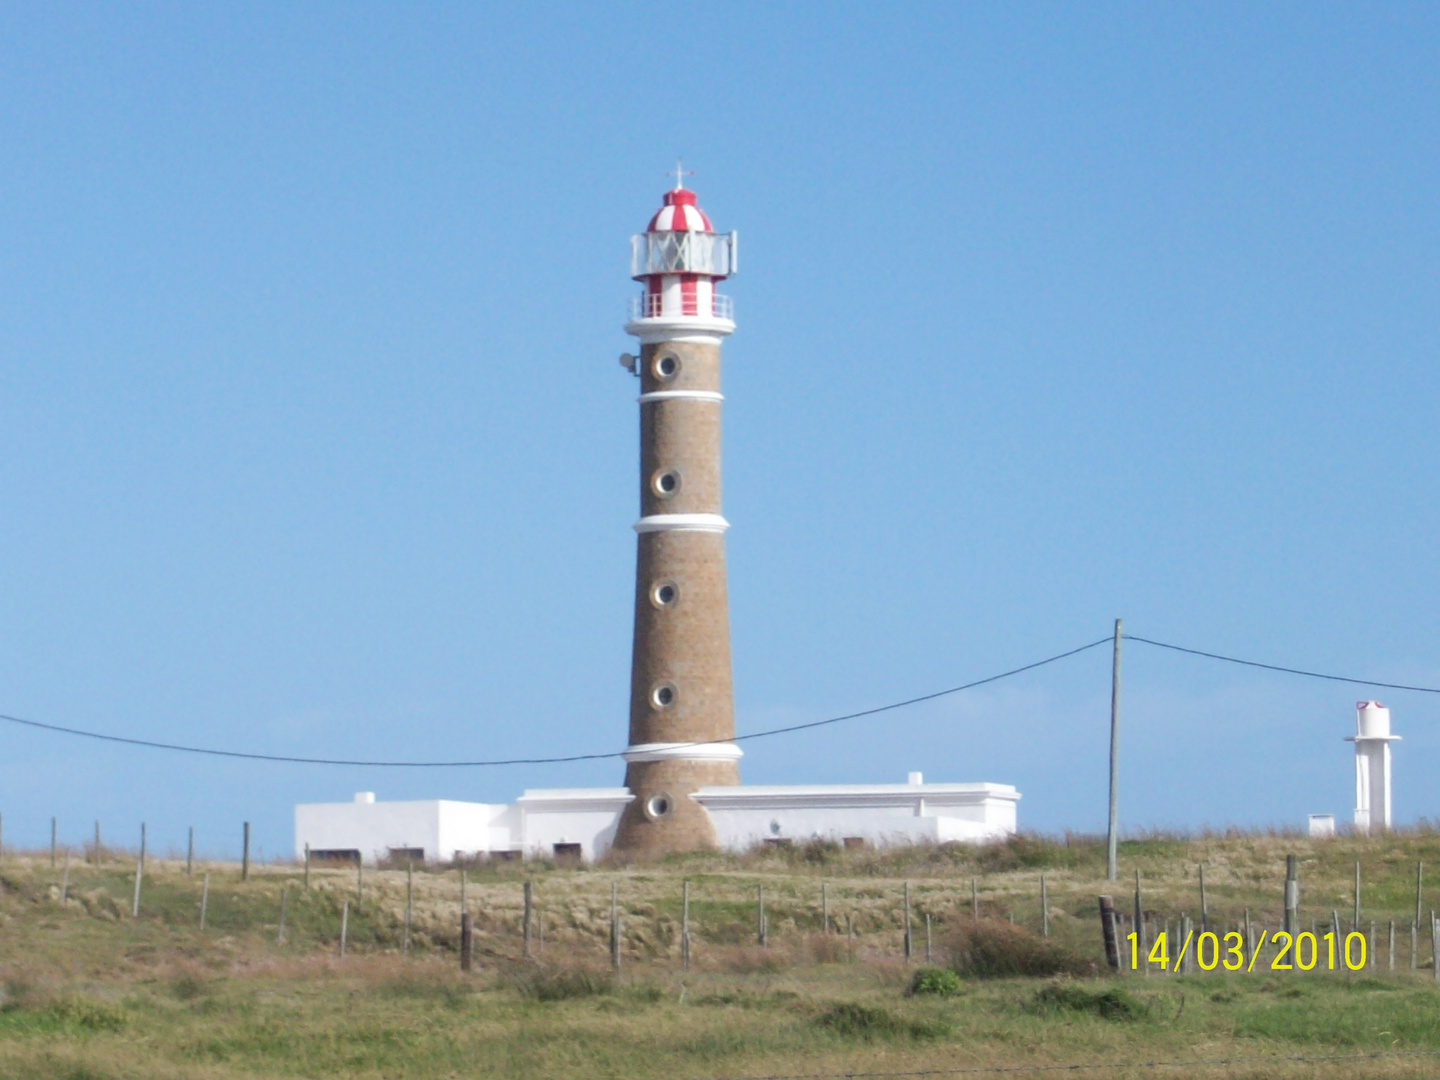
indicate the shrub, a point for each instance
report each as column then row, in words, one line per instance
column 1109, row 1004
column 939, row 981
column 985, row 949
column 560, row 984
column 864, row 1022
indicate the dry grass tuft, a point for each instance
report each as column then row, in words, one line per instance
column 986, row 949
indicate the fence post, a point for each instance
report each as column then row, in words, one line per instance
column 307, row 865
column 908, row 942
column 825, row 908
column 245, row 854
column 344, row 925
column 359, row 883
column 284, row 895
column 190, row 853
column 1112, row 834
column 1435, row 946
column 685, row 930
column 1107, row 930
column 139, row 873
column 97, row 842
column 974, row 898
column 1355, row 926
column 204, row 900
column 1292, row 892
column 927, row 937
column 1392, row 944
column 1204, row 903
column 466, row 941
column 615, row 928
column 142, row 845
column 1419, row 876
column 65, row 879
column 529, row 913
column 1044, row 909
column 762, row 930
column 409, row 900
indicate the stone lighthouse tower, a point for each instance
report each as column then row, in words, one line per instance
column 682, row 718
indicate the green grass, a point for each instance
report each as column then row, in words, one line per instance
column 88, row 992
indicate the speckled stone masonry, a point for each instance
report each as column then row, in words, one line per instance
column 684, row 644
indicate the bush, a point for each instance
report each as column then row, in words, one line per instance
column 85, row 1014
column 984, row 949
column 559, row 984
column 1109, row 1004
column 862, row 1021
column 939, row 981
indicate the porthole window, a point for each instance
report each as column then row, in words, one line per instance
column 666, row 483
column 664, row 594
column 659, row 805
column 667, row 367
column 663, row 696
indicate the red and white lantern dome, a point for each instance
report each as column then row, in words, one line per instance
column 679, row 258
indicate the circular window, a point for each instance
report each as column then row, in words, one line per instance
column 667, row 483
column 667, row 367
column 665, row 594
column 663, row 696
column 659, row 805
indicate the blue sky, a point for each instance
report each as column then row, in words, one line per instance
column 316, row 443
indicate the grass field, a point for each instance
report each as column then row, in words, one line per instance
column 87, row 991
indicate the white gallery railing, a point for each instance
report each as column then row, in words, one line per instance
column 652, row 306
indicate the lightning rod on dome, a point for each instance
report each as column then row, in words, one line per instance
column 679, row 173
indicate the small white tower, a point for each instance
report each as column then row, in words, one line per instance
column 1372, row 741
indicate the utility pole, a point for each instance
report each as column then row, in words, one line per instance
column 1112, row 838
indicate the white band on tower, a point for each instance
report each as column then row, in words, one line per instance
column 684, row 751
column 676, row 522
column 681, row 395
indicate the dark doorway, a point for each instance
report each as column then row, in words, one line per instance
column 568, row 853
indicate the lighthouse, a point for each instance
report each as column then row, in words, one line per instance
column 1372, row 741
column 682, row 713
column 682, row 766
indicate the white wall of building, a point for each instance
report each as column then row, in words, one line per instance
column 441, row 828
column 879, row 814
column 584, row 816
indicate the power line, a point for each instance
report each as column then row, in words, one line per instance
column 1286, row 670
column 925, row 697
column 566, row 759
column 281, row 758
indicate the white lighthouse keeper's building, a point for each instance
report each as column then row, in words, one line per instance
column 1372, row 741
